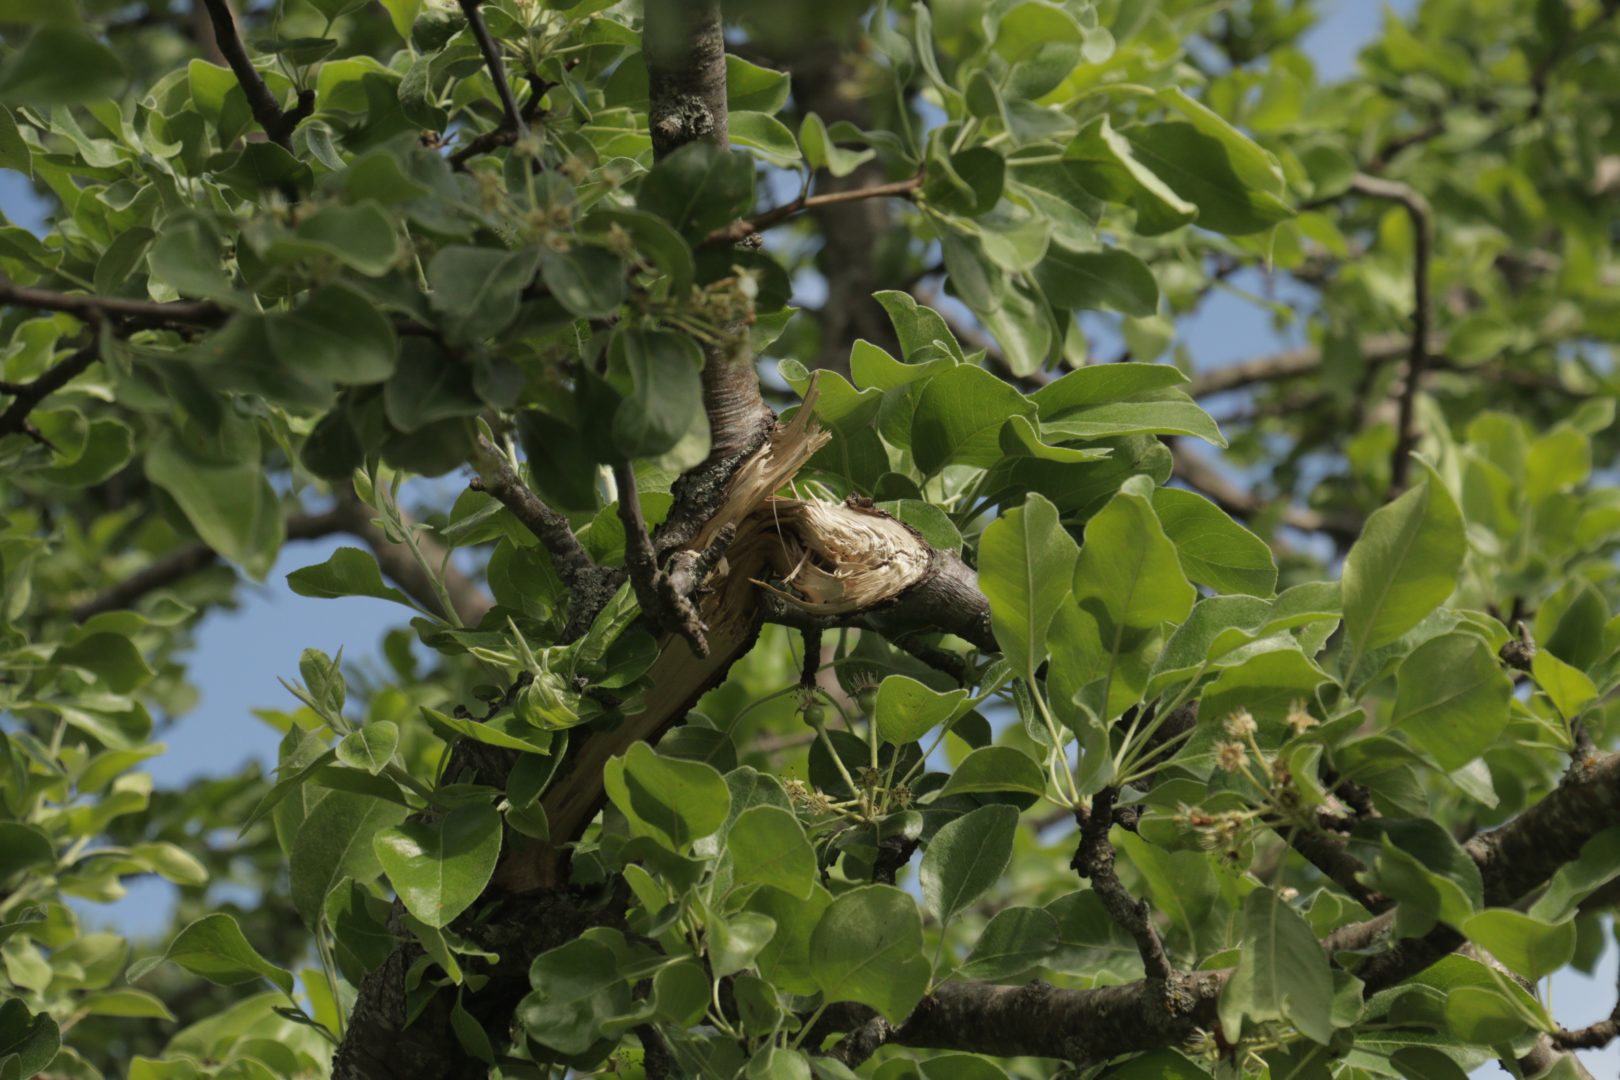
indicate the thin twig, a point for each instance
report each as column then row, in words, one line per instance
column 666, row 606
column 277, row 124
column 1417, row 208
column 1290, row 365
column 742, row 229
column 135, row 313
column 497, row 477
column 1094, row 859
column 14, row 421
column 348, row 516
column 497, row 70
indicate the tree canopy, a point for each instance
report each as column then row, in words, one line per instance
column 857, row 631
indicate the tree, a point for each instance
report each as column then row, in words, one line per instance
column 921, row 703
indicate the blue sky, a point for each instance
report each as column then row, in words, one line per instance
column 241, row 654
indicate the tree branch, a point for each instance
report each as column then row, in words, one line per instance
column 1417, row 208
column 278, row 125
column 664, row 605
column 497, row 477
column 1094, row 859
column 14, row 421
column 134, row 313
column 684, row 45
column 1039, row 1020
column 1245, row 504
column 1292, row 364
column 497, row 69
column 349, row 516
column 742, row 229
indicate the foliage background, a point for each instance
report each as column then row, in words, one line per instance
column 239, row 652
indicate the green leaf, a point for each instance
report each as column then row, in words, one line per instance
column 335, row 842
column 476, row 290
column 370, row 747
column 123, row 1002
column 60, row 65
column 439, row 867
column 666, row 397
column 786, row 960
column 1281, row 973
column 1127, row 582
column 1041, row 43
column 187, row 256
column 1108, row 166
column 698, row 188
column 1486, row 1015
column 906, row 710
column 655, row 241
column 215, row 948
column 336, row 334
column 1015, row 940
column 349, row 572
column 735, row 942
column 503, row 731
column 261, row 166
column 1451, row 699
column 1598, row 864
column 996, row 769
column 1404, row 566
column 1100, row 384
column 224, row 493
column 768, row 847
column 1196, row 167
column 1161, row 1065
column 1427, row 871
column 16, row 154
column 820, row 152
column 867, row 948
column 681, row 800
column 766, row 135
column 588, row 281
column 1568, row 688
column 1171, row 412
column 959, row 417
column 965, row 858
column 33, row 1039
column 1025, row 557
column 751, row 88
column 1426, row 1063
column 23, row 847
column 1530, row 947
column 362, row 237
column 1112, row 279
column 576, row 988
column 1215, row 550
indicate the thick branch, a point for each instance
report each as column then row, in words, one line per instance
column 742, row 229
column 278, row 125
column 497, row 69
column 1417, row 208
column 1517, row 858
column 684, row 44
column 1038, row 1020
